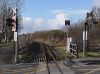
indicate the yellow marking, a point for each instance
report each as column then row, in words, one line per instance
column 41, row 69
column 92, row 71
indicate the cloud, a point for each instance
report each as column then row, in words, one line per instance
column 30, row 24
column 27, row 20
column 39, row 21
column 52, row 23
column 58, row 21
column 96, row 3
column 62, row 15
column 72, row 12
column 27, row 23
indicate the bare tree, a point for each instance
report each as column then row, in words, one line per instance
column 6, row 7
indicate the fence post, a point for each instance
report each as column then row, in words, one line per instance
column 77, row 52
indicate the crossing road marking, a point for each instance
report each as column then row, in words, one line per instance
column 92, row 71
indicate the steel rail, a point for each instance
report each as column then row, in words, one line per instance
column 53, row 56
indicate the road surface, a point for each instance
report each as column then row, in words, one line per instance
column 6, row 55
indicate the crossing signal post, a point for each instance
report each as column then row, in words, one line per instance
column 67, row 23
column 13, row 23
column 15, row 29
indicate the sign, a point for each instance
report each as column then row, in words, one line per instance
column 67, row 22
column 15, row 36
column 68, row 44
column 84, row 35
column 14, row 18
column 14, row 28
column 70, row 39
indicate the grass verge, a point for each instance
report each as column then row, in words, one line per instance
column 6, row 44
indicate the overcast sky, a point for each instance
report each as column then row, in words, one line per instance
column 50, row 14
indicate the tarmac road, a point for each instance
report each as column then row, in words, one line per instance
column 86, row 66
column 6, row 55
column 39, row 68
column 18, row 69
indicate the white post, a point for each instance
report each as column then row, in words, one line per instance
column 68, row 41
column 16, row 46
column 84, row 42
column 67, row 23
column 68, row 45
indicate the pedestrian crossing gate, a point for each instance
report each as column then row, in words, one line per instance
column 71, row 47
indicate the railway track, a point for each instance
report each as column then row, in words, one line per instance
column 47, row 50
column 49, row 58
